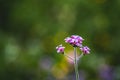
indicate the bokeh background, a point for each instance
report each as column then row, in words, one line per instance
column 31, row 29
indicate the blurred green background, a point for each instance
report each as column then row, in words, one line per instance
column 31, row 29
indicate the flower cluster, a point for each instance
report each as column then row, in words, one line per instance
column 85, row 50
column 75, row 41
column 60, row 49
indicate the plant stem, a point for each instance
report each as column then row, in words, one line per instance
column 76, row 64
column 69, row 57
column 80, row 56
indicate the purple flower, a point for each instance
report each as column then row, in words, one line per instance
column 85, row 50
column 106, row 72
column 68, row 40
column 60, row 49
column 74, row 40
column 79, row 38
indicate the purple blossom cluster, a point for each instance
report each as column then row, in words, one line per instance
column 75, row 41
column 60, row 49
column 85, row 50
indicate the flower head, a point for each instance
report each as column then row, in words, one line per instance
column 60, row 49
column 85, row 50
column 74, row 40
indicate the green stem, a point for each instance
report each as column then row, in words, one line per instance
column 69, row 57
column 76, row 64
column 80, row 56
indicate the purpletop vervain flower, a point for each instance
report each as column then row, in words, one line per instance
column 74, row 40
column 60, row 49
column 85, row 50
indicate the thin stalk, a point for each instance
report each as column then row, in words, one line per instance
column 80, row 56
column 69, row 57
column 76, row 64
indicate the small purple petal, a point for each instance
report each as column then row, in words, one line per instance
column 68, row 39
column 74, row 40
column 60, row 49
column 85, row 50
